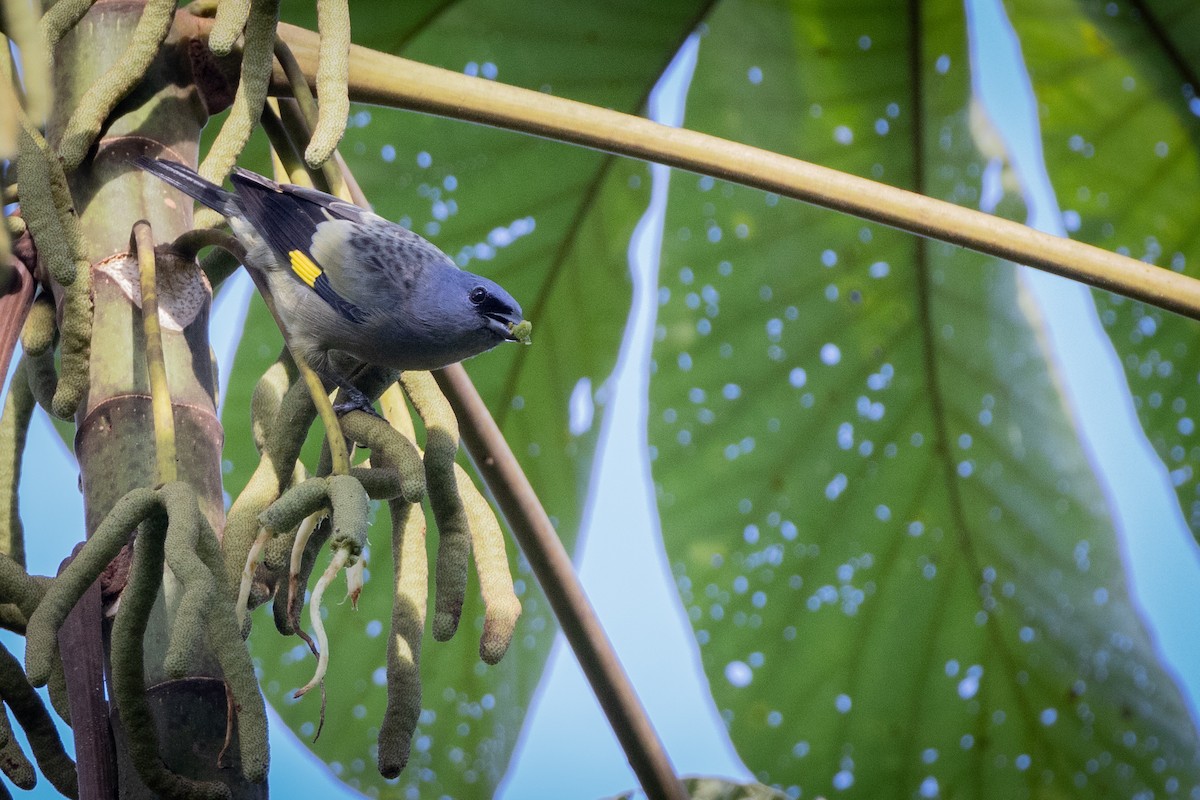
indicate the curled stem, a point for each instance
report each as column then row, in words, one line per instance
column 336, row 563
column 160, row 391
column 41, row 645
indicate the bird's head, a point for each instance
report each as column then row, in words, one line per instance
column 478, row 310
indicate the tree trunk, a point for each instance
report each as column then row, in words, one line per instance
column 115, row 435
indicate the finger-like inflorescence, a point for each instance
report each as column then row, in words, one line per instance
column 40, row 331
column 13, row 762
column 103, row 95
column 31, row 714
column 21, row 23
column 228, row 25
column 128, row 678
column 333, row 70
column 454, row 535
column 14, row 425
column 247, row 102
column 500, row 603
column 61, row 18
column 411, row 591
column 41, row 637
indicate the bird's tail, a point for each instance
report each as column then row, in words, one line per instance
column 189, row 182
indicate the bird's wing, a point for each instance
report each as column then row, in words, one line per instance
column 288, row 217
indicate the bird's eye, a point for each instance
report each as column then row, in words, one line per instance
column 478, row 295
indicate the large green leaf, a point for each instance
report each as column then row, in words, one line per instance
column 1120, row 118
column 897, row 561
column 552, row 224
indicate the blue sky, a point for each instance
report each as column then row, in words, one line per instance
column 643, row 614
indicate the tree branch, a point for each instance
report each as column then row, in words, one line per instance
column 389, row 80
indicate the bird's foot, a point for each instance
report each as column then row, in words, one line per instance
column 355, row 401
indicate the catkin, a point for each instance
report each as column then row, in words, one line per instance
column 228, row 25
column 257, row 54
column 40, row 330
column 31, row 714
column 333, row 71
column 128, row 679
column 183, row 535
column 55, row 246
column 411, row 588
column 103, row 95
column 61, row 18
column 76, row 346
column 13, row 761
column 21, row 23
column 454, row 535
column 238, row 669
column 41, row 636
column 500, row 603
column 14, row 425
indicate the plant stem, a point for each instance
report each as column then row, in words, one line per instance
column 389, row 80
column 532, row 529
column 156, row 368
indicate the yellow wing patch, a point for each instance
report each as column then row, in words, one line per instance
column 304, row 267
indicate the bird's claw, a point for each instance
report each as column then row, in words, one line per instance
column 355, row 401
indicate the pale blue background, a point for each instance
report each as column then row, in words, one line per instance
column 566, row 750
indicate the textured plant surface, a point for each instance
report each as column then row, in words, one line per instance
column 900, row 569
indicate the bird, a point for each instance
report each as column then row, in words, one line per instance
column 346, row 280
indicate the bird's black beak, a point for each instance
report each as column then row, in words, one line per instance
column 508, row 326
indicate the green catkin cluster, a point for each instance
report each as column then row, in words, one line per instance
column 102, row 97
column 21, row 23
column 257, row 54
column 500, row 603
column 283, row 435
column 42, row 379
column 128, row 678
column 228, row 25
column 38, row 338
column 454, row 535
column 225, row 638
column 61, row 18
column 47, row 207
column 29, row 711
column 76, row 346
column 411, row 590
column 44, row 217
column 40, row 330
column 183, row 535
column 349, row 515
column 13, row 762
column 333, row 71
column 14, row 425
column 41, row 636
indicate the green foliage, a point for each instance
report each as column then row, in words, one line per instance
column 568, row 214
column 898, row 564
column 1117, row 89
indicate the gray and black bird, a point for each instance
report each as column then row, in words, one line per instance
column 345, row 280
